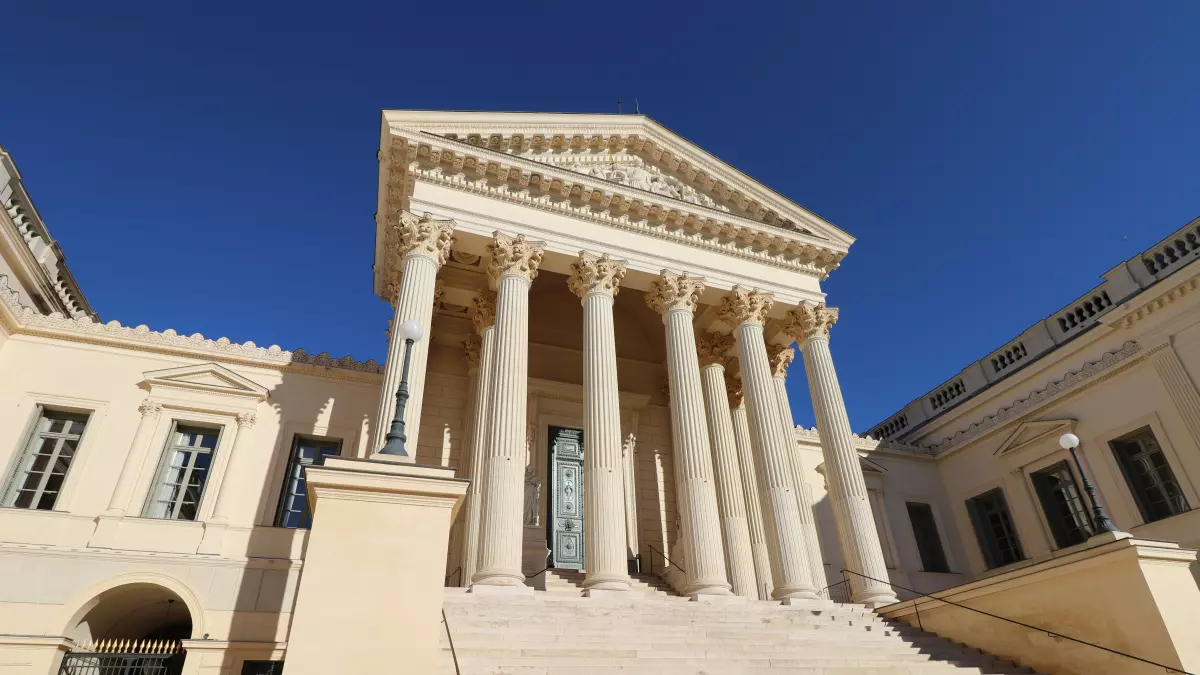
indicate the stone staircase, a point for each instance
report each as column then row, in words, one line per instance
column 556, row 631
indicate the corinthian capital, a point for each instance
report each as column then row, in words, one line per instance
column 246, row 420
column 780, row 358
column 744, row 305
column 712, row 347
column 413, row 235
column 674, row 291
column 596, row 274
column 733, row 389
column 485, row 310
column 473, row 346
column 514, row 255
column 810, row 321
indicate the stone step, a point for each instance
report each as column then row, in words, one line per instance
column 705, row 669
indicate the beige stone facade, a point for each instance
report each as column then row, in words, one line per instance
column 608, row 314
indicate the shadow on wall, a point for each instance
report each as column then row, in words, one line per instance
column 308, row 407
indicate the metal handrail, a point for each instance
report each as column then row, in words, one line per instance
column 1050, row 633
column 822, row 592
column 664, row 557
column 453, row 654
column 457, row 570
column 544, row 570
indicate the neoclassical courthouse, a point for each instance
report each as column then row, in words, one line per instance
column 601, row 470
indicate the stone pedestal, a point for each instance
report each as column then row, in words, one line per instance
column 374, row 568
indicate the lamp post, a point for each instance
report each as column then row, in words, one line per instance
column 1101, row 519
column 410, row 331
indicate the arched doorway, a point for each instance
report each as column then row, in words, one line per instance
column 134, row 629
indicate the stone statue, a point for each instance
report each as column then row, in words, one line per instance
column 533, row 493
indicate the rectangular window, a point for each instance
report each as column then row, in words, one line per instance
column 184, row 472
column 994, row 528
column 262, row 667
column 929, row 544
column 1063, row 505
column 293, row 504
column 45, row 461
column 1150, row 477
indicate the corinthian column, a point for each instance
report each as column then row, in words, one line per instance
column 675, row 297
column 758, row 531
column 746, row 310
column 513, row 266
column 809, row 325
column 233, row 485
column 731, row 502
column 596, row 280
column 781, row 358
column 119, row 503
column 477, row 436
column 417, row 247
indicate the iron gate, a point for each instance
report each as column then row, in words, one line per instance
column 125, row 657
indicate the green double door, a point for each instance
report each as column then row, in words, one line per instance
column 564, row 531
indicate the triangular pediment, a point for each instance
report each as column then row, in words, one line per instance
column 1030, row 433
column 632, row 151
column 207, row 377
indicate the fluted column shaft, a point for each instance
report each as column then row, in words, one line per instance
column 731, row 501
column 233, row 485
column 816, row 561
column 596, row 281
column 843, row 473
column 773, row 447
column 675, row 297
column 477, row 436
column 421, row 245
column 514, row 265
column 758, row 531
column 118, row 504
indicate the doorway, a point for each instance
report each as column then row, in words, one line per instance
column 565, row 516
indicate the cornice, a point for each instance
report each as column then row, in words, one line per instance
column 545, row 186
column 1127, row 316
column 1093, row 372
column 24, row 320
column 507, row 130
column 866, row 443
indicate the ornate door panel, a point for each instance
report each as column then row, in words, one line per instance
column 566, row 498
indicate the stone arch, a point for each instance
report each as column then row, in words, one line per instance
column 134, row 606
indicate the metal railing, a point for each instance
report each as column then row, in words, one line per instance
column 670, row 563
column 459, row 571
column 453, row 654
column 125, row 657
column 1050, row 633
column 839, row 592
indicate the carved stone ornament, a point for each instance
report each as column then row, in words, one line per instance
column 439, row 291
column 150, row 408
column 514, row 255
column 484, row 316
column 744, row 305
column 733, row 388
column 674, row 292
column 596, row 274
column 533, row 492
column 712, row 348
column 423, row 235
column 473, row 346
column 629, row 447
column 246, row 420
column 810, row 321
column 780, row 358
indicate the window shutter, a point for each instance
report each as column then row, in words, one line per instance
column 1012, row 526
column 986, row 544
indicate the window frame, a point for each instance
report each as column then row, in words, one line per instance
column 284, row 489
column 164, row 459
column 1143, row 509
column 1056, row 523
column 937, row 533
column 28, row 439
column 988, row 548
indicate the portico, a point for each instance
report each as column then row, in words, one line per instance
column 572, row 261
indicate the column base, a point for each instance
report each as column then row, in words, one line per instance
column 613, row 595
column 720, row 590
column 793, row 593
column 608, row 582
column 807, row 603
column 874, row 600
column 489, row 591
column 718, row 599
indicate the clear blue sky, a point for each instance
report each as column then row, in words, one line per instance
column 213, row 169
